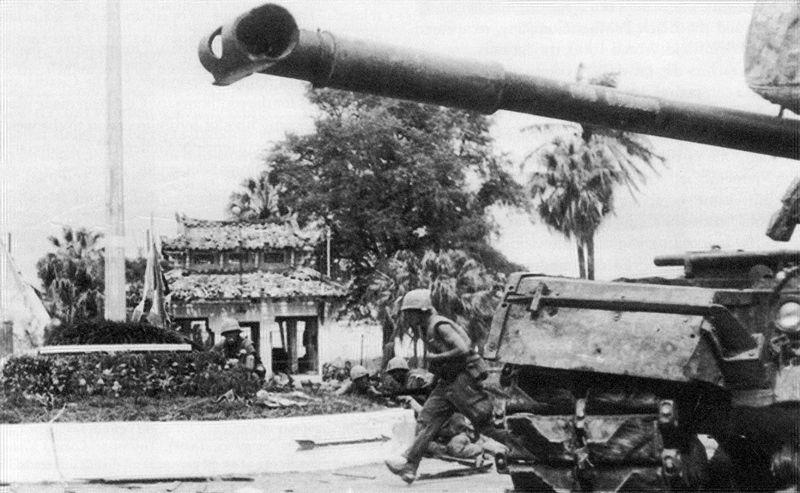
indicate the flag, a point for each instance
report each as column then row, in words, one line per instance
column 152, row 308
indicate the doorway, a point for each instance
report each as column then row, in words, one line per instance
column 251, row 330
column 197, row 331
column 296, row 349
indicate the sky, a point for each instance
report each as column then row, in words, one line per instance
column 188, row 144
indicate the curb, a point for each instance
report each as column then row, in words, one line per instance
column 148, row 450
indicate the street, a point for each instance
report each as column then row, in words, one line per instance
column 371, row 478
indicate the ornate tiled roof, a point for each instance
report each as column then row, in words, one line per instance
column 200, row 234
column 294, row 283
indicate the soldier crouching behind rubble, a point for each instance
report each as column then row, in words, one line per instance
column 401, row 385
column 397, row 383
column 459, row 371
column 238, row 350
column 358, row 384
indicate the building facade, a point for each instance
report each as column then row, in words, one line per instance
column 259, row 273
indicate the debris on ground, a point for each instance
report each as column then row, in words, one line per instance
column 311, row 444
column 348, row 475
column 226, row 405
column 456, row 473
column 274, row 400
column 229, row 396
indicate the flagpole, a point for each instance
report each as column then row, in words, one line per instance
column 152, row 229
column 115, row 238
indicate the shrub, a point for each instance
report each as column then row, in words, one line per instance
column 58, row 377
column 99, row 331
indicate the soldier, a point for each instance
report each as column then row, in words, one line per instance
column 358, row 384
column 236, row 349
column 401, row 385
column 459, row 371
column 465, row 443
column 395, row 378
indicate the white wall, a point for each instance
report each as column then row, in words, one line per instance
column 342, row 340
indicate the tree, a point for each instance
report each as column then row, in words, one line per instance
column 462, row 289
column 258, row 199
column 386, row 175
column 72, row 276
column 572, row 189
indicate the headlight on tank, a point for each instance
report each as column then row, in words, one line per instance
column 788, row 317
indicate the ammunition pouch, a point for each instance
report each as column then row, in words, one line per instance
column 473, row 364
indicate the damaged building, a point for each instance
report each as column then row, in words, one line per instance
column 261, row 274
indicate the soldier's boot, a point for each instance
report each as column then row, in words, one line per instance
column 401, row 467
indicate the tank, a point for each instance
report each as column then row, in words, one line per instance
column 633, row 385
column 612, row 385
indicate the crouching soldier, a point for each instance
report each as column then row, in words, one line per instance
column 465, row 443
column 358, row 384
column 395, row 377
column 238, row 350
column 459, row 371
column 401, row 384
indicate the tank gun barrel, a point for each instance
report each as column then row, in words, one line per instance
column 267, row 40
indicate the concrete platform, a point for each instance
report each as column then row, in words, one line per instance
column 36, row 453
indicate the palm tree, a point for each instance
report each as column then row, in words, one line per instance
column 77, row 242
column 572, row 194
column 72, row 276
column 461, row 287
column 572, row 189
column 258, row 199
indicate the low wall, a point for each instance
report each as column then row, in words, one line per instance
column 42, row 452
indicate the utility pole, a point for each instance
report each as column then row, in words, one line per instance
column 328, row 250
column 115, row 236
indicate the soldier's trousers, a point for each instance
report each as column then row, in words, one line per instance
column 463, row 394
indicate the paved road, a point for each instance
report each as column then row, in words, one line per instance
column 373, row 478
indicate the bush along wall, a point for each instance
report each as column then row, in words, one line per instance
column 100, row 331
column 72, row 377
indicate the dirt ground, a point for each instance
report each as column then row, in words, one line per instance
column 371, row 478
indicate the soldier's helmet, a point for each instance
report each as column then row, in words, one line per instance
column 417, row 299
column 358, row 371
column 230, row 325
column 397, row 363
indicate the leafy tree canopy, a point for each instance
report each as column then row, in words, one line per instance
column 387, row 175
